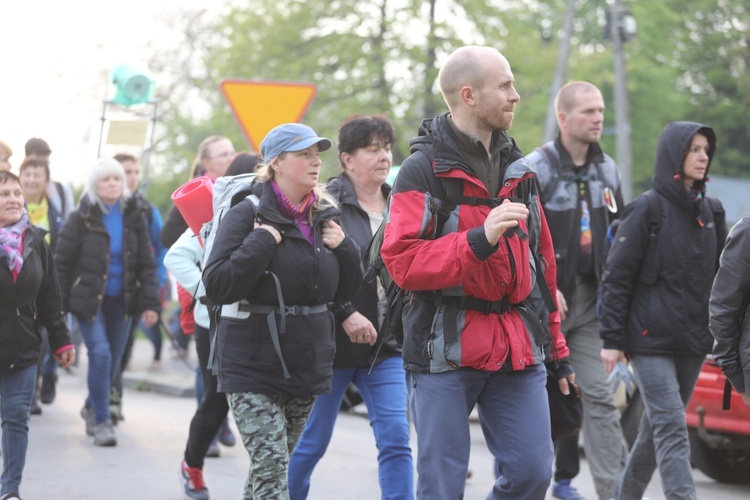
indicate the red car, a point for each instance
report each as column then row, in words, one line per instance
column 719, row 439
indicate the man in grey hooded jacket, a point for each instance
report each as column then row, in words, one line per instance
column 728, row 319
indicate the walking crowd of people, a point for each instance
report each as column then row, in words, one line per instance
column 503, row 277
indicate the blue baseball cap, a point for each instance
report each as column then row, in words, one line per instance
column 290, row 137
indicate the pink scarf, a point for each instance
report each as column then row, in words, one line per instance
column 296, row 213
column 10, row 242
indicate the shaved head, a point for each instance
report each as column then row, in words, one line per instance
column 566, row 97
column 467, row 66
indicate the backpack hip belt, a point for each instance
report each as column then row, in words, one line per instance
column 242, row 310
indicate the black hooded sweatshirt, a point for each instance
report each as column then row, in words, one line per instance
column 665, row 312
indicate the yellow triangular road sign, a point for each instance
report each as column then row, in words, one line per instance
column 259, row 106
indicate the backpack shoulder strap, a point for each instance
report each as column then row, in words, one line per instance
column 554, row 166
column 654, row 213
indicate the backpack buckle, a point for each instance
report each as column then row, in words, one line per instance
column 292, row 310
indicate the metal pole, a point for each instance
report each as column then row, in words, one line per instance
column 622, row 124
column 101, row 128
column 550, row 125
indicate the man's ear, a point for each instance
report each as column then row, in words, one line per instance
column 467, row 95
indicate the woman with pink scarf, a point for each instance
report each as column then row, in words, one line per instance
column 29, row 298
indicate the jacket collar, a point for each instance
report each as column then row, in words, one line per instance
column 342, row 188
column 594, row 156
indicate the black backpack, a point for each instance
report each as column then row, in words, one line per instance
column 395, row 296
column 650, row 268
column 652, row 261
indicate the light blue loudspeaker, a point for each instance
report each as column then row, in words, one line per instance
column 134, row 86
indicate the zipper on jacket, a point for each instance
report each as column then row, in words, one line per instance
column 511, row 259
column 104, row 231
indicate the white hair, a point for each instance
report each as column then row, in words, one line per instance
column 102, row 168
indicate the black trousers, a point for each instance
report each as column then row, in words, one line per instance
column 212, row 411
column 567, row 463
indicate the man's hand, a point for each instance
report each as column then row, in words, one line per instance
column 360, row 329
column 610, row 357
column 503, row 217
column 562, row 305
column 563, row 383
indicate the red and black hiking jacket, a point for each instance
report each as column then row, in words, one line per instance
column 469, row 302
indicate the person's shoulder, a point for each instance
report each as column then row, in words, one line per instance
column 714, row 204
column 741, row 227
column 539, row 158
column 335, row 186
column 609, row 162
column 416, row 173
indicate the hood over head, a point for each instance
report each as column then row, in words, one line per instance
column 671, row 150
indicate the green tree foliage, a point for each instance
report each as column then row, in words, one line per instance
column 713, row 50
column 382, row 56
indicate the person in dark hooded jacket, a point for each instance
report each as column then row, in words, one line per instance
column 728, row 319
column 654, row 303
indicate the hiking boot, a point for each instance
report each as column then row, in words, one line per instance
column 213, row 449
column 104, row 434
column 47, row 394
column 564, row 491
column 192, row 482
column 225, row 435
column 87, row 414
column 35, row 408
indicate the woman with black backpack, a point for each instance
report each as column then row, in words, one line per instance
column 274, row 267
column 654, row 303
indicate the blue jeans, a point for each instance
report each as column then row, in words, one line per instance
column 16, row 391
column 514, row 415
column 666, row 384
column 384, row 393
column 105, row 340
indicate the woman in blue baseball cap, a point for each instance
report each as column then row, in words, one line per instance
column 278, row 259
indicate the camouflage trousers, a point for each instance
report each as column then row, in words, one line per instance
column 270, row 427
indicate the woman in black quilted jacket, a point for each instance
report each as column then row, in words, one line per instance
column 107, row 275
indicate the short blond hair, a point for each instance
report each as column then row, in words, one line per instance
column 566, row 96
